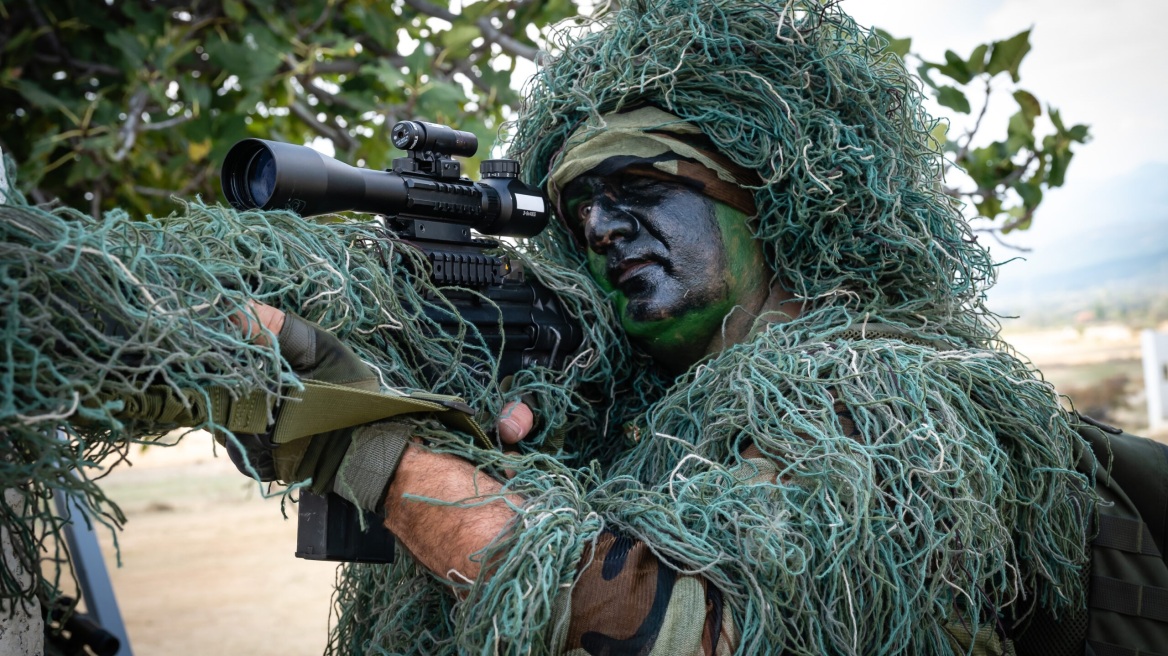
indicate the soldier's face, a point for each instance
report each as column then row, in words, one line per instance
column 676, row 260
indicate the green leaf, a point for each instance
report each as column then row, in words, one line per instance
column 441, row 102
column 955, row 68
column 147, row 18
column 953, row 98
column 418, row 63
column 477, row 10
column 176, row 51
column 1007, row 55
column 940, row 136
column 342, row 48
column 981, row 164
column 386, row 73
column 500, row 84
column 1079, row 133
column 898, row 46
column 458, row 39
column 977, row 59
column 1018, row 213
column 1056, row 118
column 923, row 73
column 235, row 10
column 359, row 101
column 1020, row 132
column 126, row 42
column 38, row 97
column 15, row 43
column 199, row 128
column 380, row 27
column 990, row 206
column 1029, row 104
column 1030, row 192
column 84, row 169
column 540, row 14
column 1060, row 159
column 195, row 93
column 253, row 64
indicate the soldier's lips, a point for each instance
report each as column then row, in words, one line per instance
column 629, row 268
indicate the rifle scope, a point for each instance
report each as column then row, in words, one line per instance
column 425, row 185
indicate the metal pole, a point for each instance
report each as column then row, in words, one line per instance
column 85, row 554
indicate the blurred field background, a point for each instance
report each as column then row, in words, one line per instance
column 1097, row 366
column 207, row 564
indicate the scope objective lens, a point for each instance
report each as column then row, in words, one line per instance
column 261, row 177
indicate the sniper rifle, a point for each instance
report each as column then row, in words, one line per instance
column 428, row 204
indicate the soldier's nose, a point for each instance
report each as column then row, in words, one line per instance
column 604, row 224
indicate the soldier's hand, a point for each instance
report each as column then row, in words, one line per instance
column 314, row 354
column 515, row 422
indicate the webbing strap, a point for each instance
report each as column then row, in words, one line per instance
column 1125, row 534
column 1097, row 648
column 1129, row 598
column 321, row 407
column 160, row 403
column 246, row 414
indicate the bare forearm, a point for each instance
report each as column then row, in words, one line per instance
column 443, row 537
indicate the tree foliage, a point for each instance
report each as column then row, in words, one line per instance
column 1008, row 176
column 127, row 103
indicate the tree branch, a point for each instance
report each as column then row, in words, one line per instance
column 324, row 18
column 510, row 45
column 95, row 204
column 338, row 136
column 463, row 66
column 80, row 65
column 382, row 52
column 51, row 34
column 1009, row 180
column 1026, row 216
column 308, row 84
column 186, row 190
column 964, row 151
column 168, row 123
column 129, row 131
column 996, row 234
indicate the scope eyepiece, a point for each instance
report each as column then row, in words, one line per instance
column 433, row 138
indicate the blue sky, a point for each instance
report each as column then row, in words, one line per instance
column 1102, row 64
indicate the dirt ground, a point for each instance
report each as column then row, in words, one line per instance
column 208, row 565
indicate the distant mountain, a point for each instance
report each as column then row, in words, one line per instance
column 1091, row 240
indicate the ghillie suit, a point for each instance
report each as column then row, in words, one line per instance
column 918, row 480
column 923, row 487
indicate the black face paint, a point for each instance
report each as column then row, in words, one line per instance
column 662, row 247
